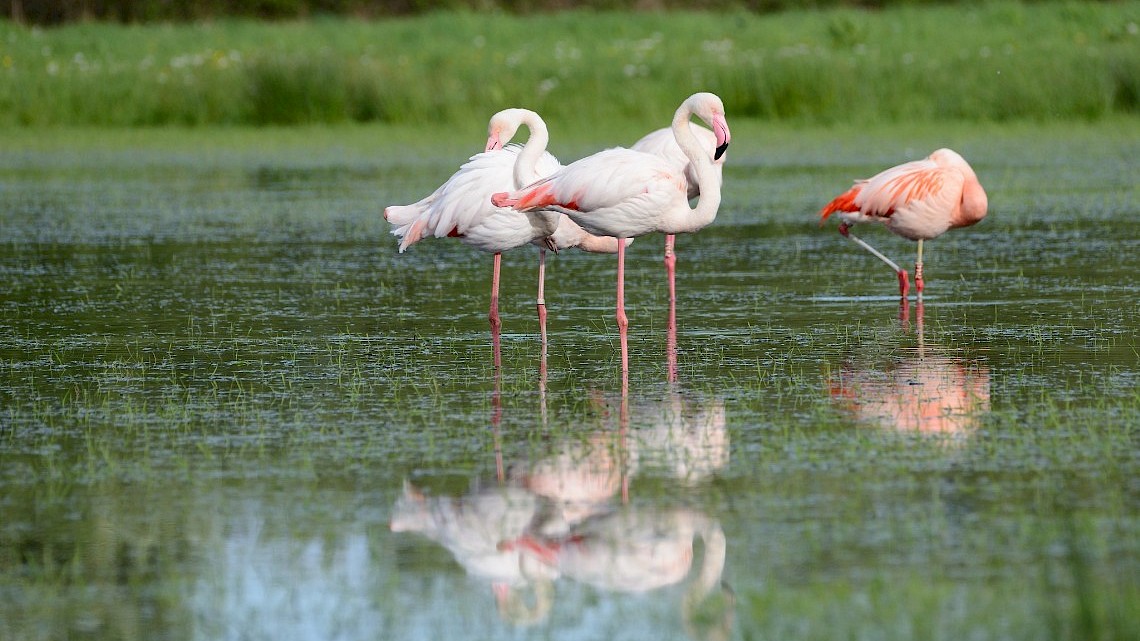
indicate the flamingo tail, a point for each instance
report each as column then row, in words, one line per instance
column 409, row 226
column 842, row 202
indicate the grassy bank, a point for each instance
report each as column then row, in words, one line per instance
column 999, row 62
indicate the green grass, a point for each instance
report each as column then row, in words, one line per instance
column 999, row 61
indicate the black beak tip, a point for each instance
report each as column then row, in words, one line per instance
column 720, row 151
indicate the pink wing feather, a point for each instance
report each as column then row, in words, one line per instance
column 920, row 187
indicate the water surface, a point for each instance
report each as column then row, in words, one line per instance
column 230, row 408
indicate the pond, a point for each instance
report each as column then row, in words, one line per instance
column 232, row 410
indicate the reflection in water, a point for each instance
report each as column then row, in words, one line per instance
column 567, row 516
column 471, row 528
column 687, row 438
column 924, row 391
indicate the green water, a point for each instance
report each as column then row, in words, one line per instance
column 229, row 409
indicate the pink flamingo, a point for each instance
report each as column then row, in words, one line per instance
column 918, row 200
column 626, row 193
column 461, row 207
column 663, row 143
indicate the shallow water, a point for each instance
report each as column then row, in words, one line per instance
column 230, row 409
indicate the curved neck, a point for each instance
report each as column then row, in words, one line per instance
column 974, row 204
column 707, row 178
column 533, row 149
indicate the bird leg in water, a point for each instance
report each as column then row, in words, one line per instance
column 542, row 297
column 493, row 315
column 671, row 327
column 918, row 270
column 904, row 280
column 622, row 319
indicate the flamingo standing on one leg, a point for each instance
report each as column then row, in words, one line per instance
column 625, row 193
column 461, row 207
column 663, row 143
column 919, row 200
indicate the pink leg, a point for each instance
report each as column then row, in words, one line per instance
column 542, row 297
column 542, row 320
column 671, row 327
column 904, row 283
column 493, row 316
column 622, row 319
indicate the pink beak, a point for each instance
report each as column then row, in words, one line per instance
column 493, row 142
column 720, row 128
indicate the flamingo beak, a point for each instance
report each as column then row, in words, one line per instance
column 493, row 142
column 720, row 128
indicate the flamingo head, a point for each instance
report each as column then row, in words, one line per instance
column 505, row 124
column 709, row 108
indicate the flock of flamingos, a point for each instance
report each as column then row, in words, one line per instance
column 509, row 196
column 553, row 518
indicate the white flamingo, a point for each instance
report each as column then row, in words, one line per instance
column 625, row 193
column 663, row 143
column 461, row 207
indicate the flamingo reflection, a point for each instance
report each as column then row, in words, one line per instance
column 470, row 527
column 566, row 515
column 636, row 550
column 926, row 391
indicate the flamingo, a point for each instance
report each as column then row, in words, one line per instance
column 663, row 143
column 461, row 207
column 626, row 193
column 918, row 200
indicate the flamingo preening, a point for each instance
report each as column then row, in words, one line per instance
column 461, row 207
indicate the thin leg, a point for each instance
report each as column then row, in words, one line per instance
column 918, row 270
column 904, row 280
column 542, row 302
column 671, row 328
column 493, row 316
column 622, row 319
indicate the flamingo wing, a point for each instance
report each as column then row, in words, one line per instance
column 917, row 190
column 907, row 185
column 463, row 201
column 605, row 179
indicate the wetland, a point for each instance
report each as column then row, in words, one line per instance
column 230, row 409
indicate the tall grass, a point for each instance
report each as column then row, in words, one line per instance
column 990, row 62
